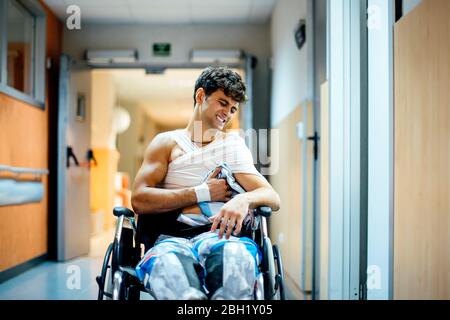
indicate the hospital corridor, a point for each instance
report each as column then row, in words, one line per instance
column 224, row 149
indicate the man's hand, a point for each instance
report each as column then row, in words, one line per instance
column 219, row 189
column 231, row 216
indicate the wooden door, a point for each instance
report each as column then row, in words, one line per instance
column 422, row 153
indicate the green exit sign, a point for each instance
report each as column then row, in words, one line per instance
column 161, row 49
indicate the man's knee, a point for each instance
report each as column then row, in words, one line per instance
column 231, row 271
column 170, row 270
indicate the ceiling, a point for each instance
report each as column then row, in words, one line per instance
column 166, row 98
column 167, row 11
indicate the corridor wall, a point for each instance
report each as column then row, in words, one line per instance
column 24, row 139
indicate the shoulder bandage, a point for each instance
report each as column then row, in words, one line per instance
column 202, row 192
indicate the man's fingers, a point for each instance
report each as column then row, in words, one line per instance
column 215, row 173
column 223, row 224
column 230, row 227
column 216, row 222
column 238, row 227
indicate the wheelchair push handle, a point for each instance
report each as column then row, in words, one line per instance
column 264, row 211
column 122, row 211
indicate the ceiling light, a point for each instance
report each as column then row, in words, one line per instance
column 217, row 56
column 111, row 56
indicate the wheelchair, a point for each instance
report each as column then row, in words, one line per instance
column 118, row 279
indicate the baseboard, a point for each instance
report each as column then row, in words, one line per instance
column 21, row 268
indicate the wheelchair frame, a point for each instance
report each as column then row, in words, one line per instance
column 123, row 254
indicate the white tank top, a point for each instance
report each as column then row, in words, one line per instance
column 190, row 169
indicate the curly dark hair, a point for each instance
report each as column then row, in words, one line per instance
column 216, row 78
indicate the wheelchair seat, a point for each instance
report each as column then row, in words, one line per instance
column 151, row 226
column 118, row 272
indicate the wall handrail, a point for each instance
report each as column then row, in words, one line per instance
column 19, row 170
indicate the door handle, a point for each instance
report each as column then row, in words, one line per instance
column 71, row 154
column 315, row 138
column 91, row 157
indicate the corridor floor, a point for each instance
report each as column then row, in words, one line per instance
column 55, row 281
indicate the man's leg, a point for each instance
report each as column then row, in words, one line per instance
column 170, row 271
column 231, row 266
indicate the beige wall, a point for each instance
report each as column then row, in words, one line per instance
column 289, row 90
column 128, row 141
column 103, row 101
column 103, row 143
column 286, row 224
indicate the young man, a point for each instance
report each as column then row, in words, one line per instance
column 171, row 179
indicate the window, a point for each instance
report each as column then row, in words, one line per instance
column 22, row 50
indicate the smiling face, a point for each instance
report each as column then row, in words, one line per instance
column 217, row 109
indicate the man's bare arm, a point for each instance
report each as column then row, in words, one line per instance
column 259, row 191
column 146, row 198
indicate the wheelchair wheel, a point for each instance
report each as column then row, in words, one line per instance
column 270, row 292
column 105, row 276
column 279, row 278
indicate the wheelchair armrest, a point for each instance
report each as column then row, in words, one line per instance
column 264, row 211
column 122, row 211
